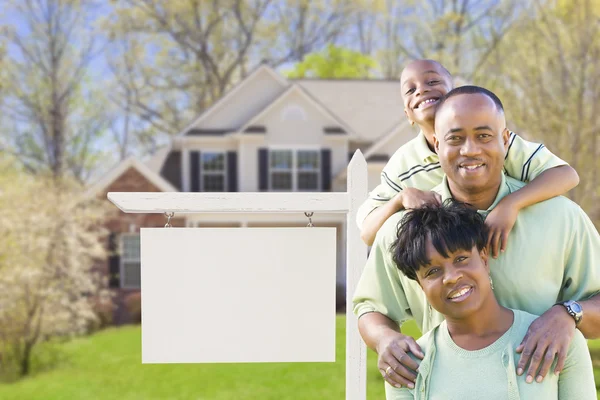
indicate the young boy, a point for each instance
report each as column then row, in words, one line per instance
column 414, row 168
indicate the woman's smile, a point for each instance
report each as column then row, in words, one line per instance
column 460, row 294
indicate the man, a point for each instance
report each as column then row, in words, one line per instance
column 414, row 169
column 551, row 259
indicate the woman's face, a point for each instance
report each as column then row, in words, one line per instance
column 458, row 285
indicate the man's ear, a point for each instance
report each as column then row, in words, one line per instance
column 505, row 139
column 436, row 143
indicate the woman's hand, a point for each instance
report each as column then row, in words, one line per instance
column 394, row 362
column 415, row 198
column 500, row 222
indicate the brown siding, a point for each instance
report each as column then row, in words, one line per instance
column 119, row 222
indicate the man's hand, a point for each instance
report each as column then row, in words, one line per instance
column 415, row 198
column 394, row 363
column 548, row 337
column 500, row 222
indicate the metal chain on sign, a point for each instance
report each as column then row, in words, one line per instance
column 309, row 216
column 169, row 215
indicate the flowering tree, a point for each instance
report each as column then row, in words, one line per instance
column 50, row 241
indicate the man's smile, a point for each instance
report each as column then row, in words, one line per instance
column 472, row 166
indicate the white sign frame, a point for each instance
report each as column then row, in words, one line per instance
column 338, row 202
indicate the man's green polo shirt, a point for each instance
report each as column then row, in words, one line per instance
column 415, row 165
column 553, row 254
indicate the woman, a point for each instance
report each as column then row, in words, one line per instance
column 471, row 355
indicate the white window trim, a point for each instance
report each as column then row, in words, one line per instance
column 294, row 168
column 122, row 261
column 203, row 172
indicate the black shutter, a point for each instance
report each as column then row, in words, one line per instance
column 114, row 280
column 326, row 170
column 195, row 170
column 171, row 169
column 114, row 261
column 263, row 170
column 232, row 184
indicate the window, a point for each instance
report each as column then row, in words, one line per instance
column 307, row 163
column 213, row 172
column 294, row 170
column 281, row 162
column 130, row 261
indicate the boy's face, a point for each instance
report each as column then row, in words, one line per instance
column 471, row 140
column 458, row 285
column 423, row 83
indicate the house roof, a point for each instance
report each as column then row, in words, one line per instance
column 369, row 107
column 384, row 158
column 379, row 147
column 156, row 160
column 231, row 92
column 299, row 89
column 123, row 166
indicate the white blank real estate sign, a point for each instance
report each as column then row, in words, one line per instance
column 233, row 295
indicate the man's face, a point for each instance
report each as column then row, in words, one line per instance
column 423, row 83
column 471, row 140
column 457, row 285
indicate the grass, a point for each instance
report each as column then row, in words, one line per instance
column 108, row 365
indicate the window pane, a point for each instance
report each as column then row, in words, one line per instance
column 308, row 181
column 308, row 159
column 131, row 271
column 213, row 161
column 281, row 159
column 131, row 247
column 213, row 183
column 281, row 180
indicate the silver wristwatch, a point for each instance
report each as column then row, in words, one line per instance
column 574, row 309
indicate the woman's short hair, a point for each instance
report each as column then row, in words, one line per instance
column 450, row 227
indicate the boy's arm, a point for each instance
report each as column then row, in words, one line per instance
column 550, row 183
column 378, row 197
column 375, row 219
column 407, row 198
column 547, row 176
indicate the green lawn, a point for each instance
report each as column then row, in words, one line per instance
column 107, row 366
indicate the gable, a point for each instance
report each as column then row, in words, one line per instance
column 130, row 175
column 392, row 141
column 243, row 102
column 295, row 117
column 369, row 107
column 131, row 180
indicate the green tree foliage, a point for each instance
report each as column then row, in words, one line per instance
column 546, row 71
column 52, row 115
column 335, row 62
column 460, row 34
column 174, row 59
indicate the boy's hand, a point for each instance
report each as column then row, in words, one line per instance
column 415, row 198
column 500, row 222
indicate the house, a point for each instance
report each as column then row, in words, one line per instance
column 268, row 133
